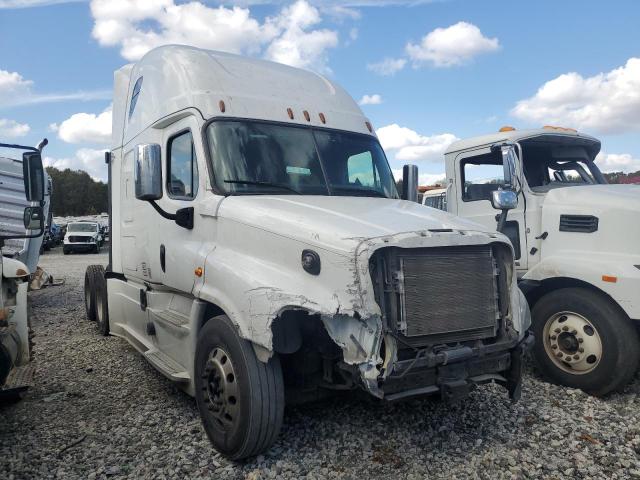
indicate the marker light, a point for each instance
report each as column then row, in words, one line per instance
column 507, row 128
column 222, row 106
column 307, row 117
column 369, row 127
column 609, row 278
column 322, row 119
column 198, row 271
column 290, row 113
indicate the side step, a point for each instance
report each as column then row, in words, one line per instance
column 167, row 366
column 19, row 380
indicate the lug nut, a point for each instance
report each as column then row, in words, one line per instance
column 580, row 340
column 554, row 346
column 565, row 328
column 581, row 350
column 553, row 337
column 559, row 354
column 576, row 357
column 557, row 330
column 574, row 331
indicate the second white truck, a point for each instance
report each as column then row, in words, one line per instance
column 576, row 242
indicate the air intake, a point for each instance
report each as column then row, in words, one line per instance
column 578, row 223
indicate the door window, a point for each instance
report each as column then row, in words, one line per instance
column 481, row 175
column 182, row 167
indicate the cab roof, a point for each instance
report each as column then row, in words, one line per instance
column 557, row 134
column 218, row 84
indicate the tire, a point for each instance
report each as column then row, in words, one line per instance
column 65, row 251
column 250, row 424
column 91, row 277
column 601, row 330
column 96, row 249
column 102, row 306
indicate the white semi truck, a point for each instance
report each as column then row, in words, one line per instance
column 259, row 251
column 577, row 245
column 22, row 196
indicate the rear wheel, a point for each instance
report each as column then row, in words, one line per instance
column 584, row 340
column 102, row 310
column 91, row 277
column 240, row 399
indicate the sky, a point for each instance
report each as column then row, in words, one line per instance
column 425, row 72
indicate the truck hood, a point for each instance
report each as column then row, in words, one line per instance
column 337, row 223
column 597, row 197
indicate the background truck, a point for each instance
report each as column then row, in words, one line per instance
column 576, row 241
column 26, row 187
column 259, row 251
column 83, row 236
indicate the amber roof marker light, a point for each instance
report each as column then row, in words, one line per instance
column 290, row 113
column 507, row 128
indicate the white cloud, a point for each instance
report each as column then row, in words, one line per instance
column 85, row 128
column 15, row 90
column 374, row 99
column 295, row 45
column 12, row 129
column 137, row 26
column 451, row 46
column 607, row 102
column 387, row 66
column 408, row 145
column 617, row 162
column 87, row 159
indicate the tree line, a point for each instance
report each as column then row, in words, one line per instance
column 75, row 193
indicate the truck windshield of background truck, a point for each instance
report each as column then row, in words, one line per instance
column 251, row 157
column 543, row 172
column 82, row 227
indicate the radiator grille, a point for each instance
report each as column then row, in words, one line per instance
column 449, row 291
column 80, row 239
column 578, row 223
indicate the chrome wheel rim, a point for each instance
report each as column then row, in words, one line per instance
column 221, row 388
column 572, row 342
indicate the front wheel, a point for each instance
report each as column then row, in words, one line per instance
column 584, row 340
column 240, row 399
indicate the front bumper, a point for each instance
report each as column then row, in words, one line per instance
column 453, row 373
column 79, row 246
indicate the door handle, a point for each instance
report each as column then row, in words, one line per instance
column 162, row 257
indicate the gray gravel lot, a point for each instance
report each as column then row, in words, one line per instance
column 130, row 422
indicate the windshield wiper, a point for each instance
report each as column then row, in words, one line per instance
column 264, row 184
column 366, row 192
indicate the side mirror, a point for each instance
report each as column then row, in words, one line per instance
column 410, row 183
column 33, row 218
column 33, row 176
column 504, row 199
column 509, row 161
column 148, row 171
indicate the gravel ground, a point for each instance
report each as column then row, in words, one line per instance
column 99, row 410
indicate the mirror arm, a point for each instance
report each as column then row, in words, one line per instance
column 183, row 217
column 163, row 213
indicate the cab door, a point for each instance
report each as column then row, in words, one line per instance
column 479, row 173
column 175, row 250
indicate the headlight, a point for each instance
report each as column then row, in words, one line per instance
column 523, row 322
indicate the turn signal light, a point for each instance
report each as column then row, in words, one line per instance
column 198, row 272
column 609, row 278
column 507, row 128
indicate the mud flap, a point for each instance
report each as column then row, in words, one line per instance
column 514, row 375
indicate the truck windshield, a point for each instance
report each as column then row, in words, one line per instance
column 251, row 157
column 82, row 227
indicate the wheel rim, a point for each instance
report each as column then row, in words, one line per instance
column 572, row 342
column 99, row 312
column 221, row 388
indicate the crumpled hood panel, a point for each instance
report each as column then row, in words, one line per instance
column 337, row 223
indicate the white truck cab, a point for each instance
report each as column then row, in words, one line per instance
column 259, row 251
column 82, row 236
column 576, row 243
